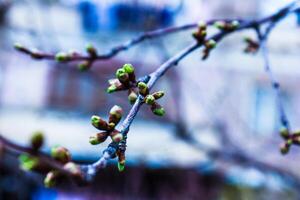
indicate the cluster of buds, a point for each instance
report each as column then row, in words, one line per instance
column 200, row 36
column 290, row 138
column 227, row 26
column 28, row 162
column 63, row 156
column 92, row 52
column 125, row 80
column 107, row 128
column 59, row 154
column 252, row 46
column 150, row 99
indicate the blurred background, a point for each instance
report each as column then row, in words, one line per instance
column 219, row 139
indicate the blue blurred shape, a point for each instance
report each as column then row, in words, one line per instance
column 298, row 16
column 140, row 16
column 89, row 16
column 42, row 193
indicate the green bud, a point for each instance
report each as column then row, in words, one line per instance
column 211, row 44
column 18, row 46
column 158, row 109
column 289, row 142
column 149, row 99
column 84, row 66
column 51, row 179
column 158, row 95
column 128, row 68
column 91, row 50
column 111, row 89
column 143, row 88
column 284, row 149
column 99, row 123
column 121, row 167
column 235, row 24
column 132, row 97
column 61, row 154
column 202, row 24
column 99, row 138
column 120, row 72
column 284, row 132
column 220, row 24
column 115, row 114
column 37, row 140
column 28, row 162
column 62, row 57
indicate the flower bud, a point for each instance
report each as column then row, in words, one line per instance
column 157, row 109
column 143, row 88
column 132, row 96
column 220, row 25
column 111, row 89
column 211, row 44
column 149, row 99
column 98, row 138
column 62, row 57
column 85, row 65
column 28, row 162
column 284, row 148
column 202, row 24
column 99, row 123
column 115, row 114
column 18, row 46
column 91, row 50
column 61, row 154
column 116, row 136
column 73, row 169
column 51, row 178
column 37, row 140
column 120, row 72
column 235, row 24
column 128, row 68
column 158, row 95
column 284, row 132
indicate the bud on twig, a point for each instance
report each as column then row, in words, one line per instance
column 121, row 160
column 129, row 69
column 28, row 163
column 73, row 169
column 284, row 148
column 61, row 154
column 132, row 96
column 37, row 140
column 115, row 114
column 158, row 95
column 284, row 132
column 143, row 88
column 84, row 66
column 99, row 138
column 149, row 99
column 158, row 109
column 99, row 123
column 62, row 57
column 91, row 50
column 51, row 178
column 116, row 136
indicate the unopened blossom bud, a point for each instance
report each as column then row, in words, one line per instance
column 116, row 136
column 73, row 169
column 132, row 96
column 235, row 24
column 158, row 95
column 37, row 140
column 28, row 162
column 220, row 24
column 18, row 46
column 99, row 123
column 202, row 24
column 284, row 132
column 211, row 44
column 143, row 88
column 91, row 50
column 284, row 148
column 115, row 114
column 61, row 154
column 157, row 109
column 98, row 138
column 149, row 99
column 83, row 66
column 111, row 89
column 51, row 178
column 62, row 57
column 120, row 72
column 128, row 68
